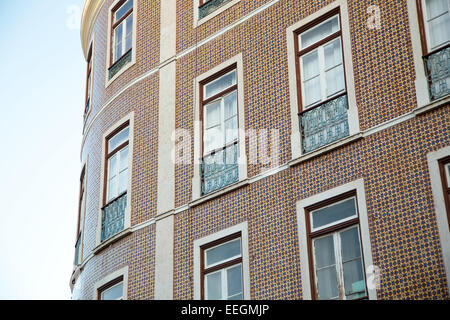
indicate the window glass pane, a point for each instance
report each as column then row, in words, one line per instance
column 439, row 30
column 123, row 181
column 113, row 293
column 310, row 65
column 118, row 41
column 231, row 130
column 129, row 35
column 118, row 139
column 212, row 114
column 333, row 213
column 234, row 281
column 230, row 102
column 350, row 247
column 327, row 283
column 219, row 84
column 112, row 188
column 214, row 286
column 355, row 286
column 311, row 91
column 213, row 139
column 324, row 252
column 448, row 174
column 436, row 8
column 123, row 158
column 333, row 54
column 320, row 32
column 124, row 9
column 223, row 252
column 112, row 166
column 335, row 80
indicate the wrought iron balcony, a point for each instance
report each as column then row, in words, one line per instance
column 324, row 124
column 210, row 6
column 113, row 217
column 77, row 260
column 437, row 66
column 220, row 169
column 115, row 68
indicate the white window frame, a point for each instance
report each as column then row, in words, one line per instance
column 243, row 229
column 123, row 272
column 421, row 82
column 322, row 69
column 353, row 118
column 124, row 33
column 127, row 218
column 110, row 42
column 198, row 128
column 439, row 205
column 427, row 27
column 196, row 4
column 358, row 186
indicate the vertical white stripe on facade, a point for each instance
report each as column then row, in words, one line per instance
column 166, row 167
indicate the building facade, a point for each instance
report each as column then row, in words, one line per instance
column 265, row 149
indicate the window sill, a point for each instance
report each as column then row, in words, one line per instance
column 432, row 105
column 120, row 72
column 219, row 193
column 325, row 149
column 198, row 22
column 110, row 241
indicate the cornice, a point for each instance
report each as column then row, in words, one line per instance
column 90, row 11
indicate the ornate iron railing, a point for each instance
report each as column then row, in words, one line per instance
column 115, row 68
column 437, row 66
column 324, row 124
column 210, row 6
column 77, row 260
column 113, row 217
column 220, row 169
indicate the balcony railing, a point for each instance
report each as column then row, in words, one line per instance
column 220, row 169
column 113, row 217
column 437, row 65
column 324, row 124
column 77, row 260
column 210, row 6
column 115, row 68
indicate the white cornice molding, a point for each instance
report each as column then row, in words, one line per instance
column 90, row 11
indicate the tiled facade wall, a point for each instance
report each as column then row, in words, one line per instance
column 392, row 162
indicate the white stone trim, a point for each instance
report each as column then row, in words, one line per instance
column 123, row 272
column 168, row 41
column 353, row 119
column 198, row 22
column 358, row 186
column 127, row 219
column 439, row 205
column 108, row 52
column 164, row 258
column 242, row 160
column 421, row 82
column 243, row 228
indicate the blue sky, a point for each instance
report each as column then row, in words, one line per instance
column 42, row 80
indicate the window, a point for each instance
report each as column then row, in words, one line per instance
column 434, row 23
column 335, row 249
column 219, row 106
column 222, row 269
column 112, row 290
column 88, row 83
column 321, row 82
column 208, row 6
column 81, row 213
column 116, row 182
column 121, row 36
column 445, row 176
